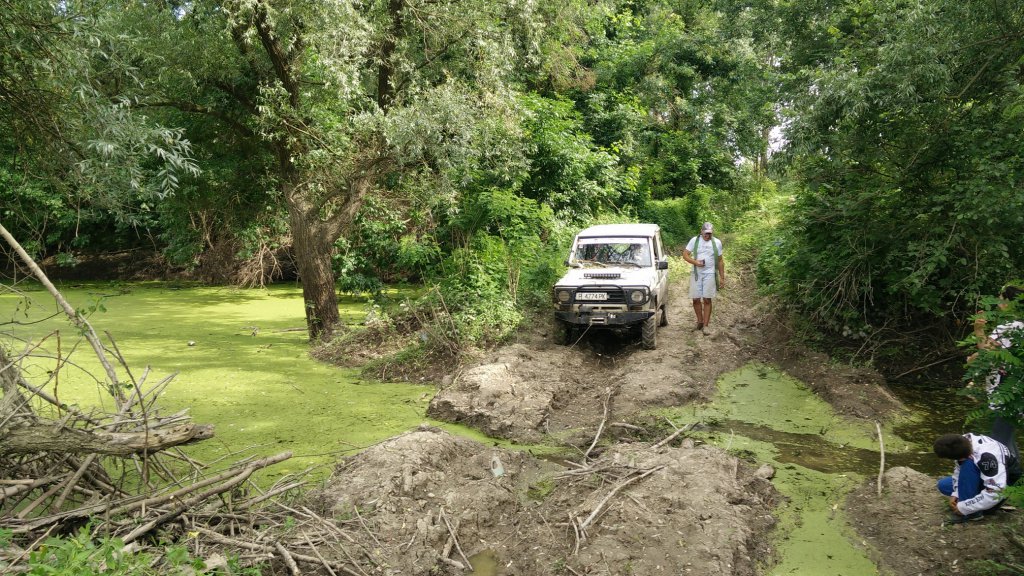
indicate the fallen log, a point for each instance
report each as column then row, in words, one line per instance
column 43, row 436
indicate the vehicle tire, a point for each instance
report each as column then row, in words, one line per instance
column 649, row 333
column 563, row 333
column 664, row 315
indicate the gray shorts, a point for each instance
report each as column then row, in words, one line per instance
column 703, row 286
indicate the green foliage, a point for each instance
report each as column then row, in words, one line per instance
column 381, row 248
column 79, row 165
column 479, row 290
column 907, row 141
column 540, row 489
column 681, row 93
column 680, row 218
column 566, row 170
column 994, row 359
column 503, row 252
column 81, row 555
column 761, row 240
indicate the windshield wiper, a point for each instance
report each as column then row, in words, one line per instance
column 601, row 264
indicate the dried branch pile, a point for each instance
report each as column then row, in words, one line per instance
column 114, row 471
column 123, row 476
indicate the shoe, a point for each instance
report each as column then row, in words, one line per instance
column 958, row 519
column 706, row 331
column 699, row 327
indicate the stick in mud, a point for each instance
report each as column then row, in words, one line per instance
column 604, row 418
column 881, row 450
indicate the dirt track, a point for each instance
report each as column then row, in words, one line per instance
column 624, row 504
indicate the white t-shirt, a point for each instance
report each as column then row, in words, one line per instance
column 999, row 336
column 1002, row 340
column 706, row 252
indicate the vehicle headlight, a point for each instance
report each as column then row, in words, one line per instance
column 637, row 296
column 563, row 296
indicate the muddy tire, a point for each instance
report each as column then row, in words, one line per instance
column 664, row 316
column 563, row 333
column 649, row 332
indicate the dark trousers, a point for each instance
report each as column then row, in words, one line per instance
column 1003, row 431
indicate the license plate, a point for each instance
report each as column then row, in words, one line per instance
column 591, row 295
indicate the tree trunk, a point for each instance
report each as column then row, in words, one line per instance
column 313, row 249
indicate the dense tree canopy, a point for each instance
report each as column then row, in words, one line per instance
column 906, row 127
column 76, row 160
column 383, row 140
column 339, row 99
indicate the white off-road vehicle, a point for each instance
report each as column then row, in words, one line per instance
column 617, row 279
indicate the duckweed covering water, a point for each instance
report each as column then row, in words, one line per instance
column 819, row 458
column 242, row 362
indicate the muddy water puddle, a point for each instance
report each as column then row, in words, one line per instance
column 823, row 456
column 762, row 415
column 484, row 564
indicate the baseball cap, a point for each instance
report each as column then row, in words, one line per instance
column 707, row 227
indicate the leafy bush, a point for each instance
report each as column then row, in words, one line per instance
column 567, row 170
column 990, row 361
column 81, row 555
column 908, row 142
column 479, row 289
column 760, row 239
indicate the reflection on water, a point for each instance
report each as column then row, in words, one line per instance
column 484, row 563
column 814, row 452
column 941, row 410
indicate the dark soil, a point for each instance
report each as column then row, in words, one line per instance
column 908, row 529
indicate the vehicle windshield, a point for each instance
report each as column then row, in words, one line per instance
column 613, row 252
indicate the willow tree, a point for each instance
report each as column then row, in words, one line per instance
column 70, row 145
column 344, row 97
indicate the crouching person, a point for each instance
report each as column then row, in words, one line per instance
column 979, row 475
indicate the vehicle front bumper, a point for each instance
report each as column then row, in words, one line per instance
column 585, row 315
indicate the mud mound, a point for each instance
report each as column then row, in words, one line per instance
column 424, row 496
column 905, row 530
column 510, row 396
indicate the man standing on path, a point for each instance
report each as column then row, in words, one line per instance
column 704, row 252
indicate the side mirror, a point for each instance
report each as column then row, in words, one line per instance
column 662, row 264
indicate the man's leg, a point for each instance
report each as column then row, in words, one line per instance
column 707, row 311
column 1003, row 430
column 696, row 295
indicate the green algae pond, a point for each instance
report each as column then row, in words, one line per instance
column 240, row 360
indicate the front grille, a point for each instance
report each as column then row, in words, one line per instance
column 615, row 295
column 602, row 275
